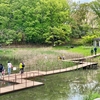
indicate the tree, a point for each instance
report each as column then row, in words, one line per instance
column 58, row 36
column 95, row 6
column 46, row 17
column 58, row 20
column 80, row 19
column 34, row 21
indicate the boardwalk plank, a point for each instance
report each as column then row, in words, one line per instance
column 19, row 86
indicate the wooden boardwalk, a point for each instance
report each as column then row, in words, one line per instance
column 22, row 81
column 84, row 58
column 84, row 64
column 25, row 84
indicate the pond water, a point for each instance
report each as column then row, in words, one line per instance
column 71, row 85
column 5, row 83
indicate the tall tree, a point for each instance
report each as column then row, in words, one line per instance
column 95, row 5
column 48, row 16
column 58, row 13
column 79, row 15
column 35, row 21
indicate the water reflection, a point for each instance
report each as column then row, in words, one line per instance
column 77, row 91
column 71, row 85
column 4, row 83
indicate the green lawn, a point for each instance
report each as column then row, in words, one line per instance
column 85, row 50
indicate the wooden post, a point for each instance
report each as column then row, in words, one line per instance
column 13, row 85
column 33, row 78
column 26, row 79
column 46, row 70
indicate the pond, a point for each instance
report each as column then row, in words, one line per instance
column 65, row 86
column 5, row 83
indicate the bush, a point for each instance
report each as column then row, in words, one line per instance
column 88, row 39
column 92, row 96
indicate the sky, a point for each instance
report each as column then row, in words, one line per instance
column 83, row 1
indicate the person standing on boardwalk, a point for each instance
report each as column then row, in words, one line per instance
column 1, row 70
column 21, row 66
column 91, row 51
column 95, row 50
column 9, row 65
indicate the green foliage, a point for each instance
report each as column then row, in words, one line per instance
column 52, row 22
column 34, row 19
column 7, row 36
column 50, row 14
column 58, row 36
column 92, row 96
column 88, row 39
column 95, row 6
column 79, row 19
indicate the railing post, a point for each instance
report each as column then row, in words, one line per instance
column 13, row 85
column 53, row 69
column 8, row 77
column 38, row 72
column 60, row 68
column 26, row 79
column 33, row 78
column 46, row 70
column 21, row 78
column 14, row 82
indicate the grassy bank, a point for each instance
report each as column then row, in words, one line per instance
column 42, row 58
column 83, row 50
column 36, row 58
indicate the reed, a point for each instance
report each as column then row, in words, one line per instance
column 38, row 58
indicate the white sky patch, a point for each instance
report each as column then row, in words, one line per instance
column 83, row 1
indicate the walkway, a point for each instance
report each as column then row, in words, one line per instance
column 22, row 81
column 84, row 58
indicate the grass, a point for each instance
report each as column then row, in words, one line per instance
column 43, row 58
column 92, row 96
column 36, row 58
column 83, row 50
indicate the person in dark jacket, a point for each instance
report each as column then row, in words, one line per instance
column 1, row 70
column 92, row 51
column 95, row 50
